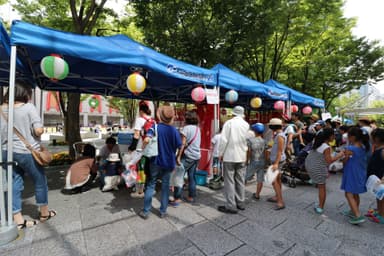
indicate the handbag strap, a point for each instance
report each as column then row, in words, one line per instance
column 193, row 139
column 18, row 134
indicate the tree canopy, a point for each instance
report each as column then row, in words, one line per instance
column 306, row 44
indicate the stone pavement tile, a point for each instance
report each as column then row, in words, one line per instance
column 307, row 217
column 98, row 216
column 361, row 239
column 22, row 244
column 158, row 236
column 308, row 237
column 112, row 239
column 190, row 251
column 262, row 212
column 182, row 216
column 222, row 220
column 220, row 244
column 299, row 250
column 48, row 229
column 71, row 245
column 260, row 238
column 244, row 250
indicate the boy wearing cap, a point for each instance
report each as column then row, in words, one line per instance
column 233, row 152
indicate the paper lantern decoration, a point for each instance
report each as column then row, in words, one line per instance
column 279, row 105
column 307, row 110
column 231, row 96
column 54, row 67
column 256, row 102
column 93, row 102
column 136, row 83
column 294, row 108
column 198, row 94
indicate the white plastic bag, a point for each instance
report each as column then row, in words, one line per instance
column 129, row 176
column 270, row 175
column 177, row 176
column 375, row 186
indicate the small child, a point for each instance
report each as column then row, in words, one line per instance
column 256, row 156
column 216, row 164
column 355, row 174
column 110, row 172
column 376, row 167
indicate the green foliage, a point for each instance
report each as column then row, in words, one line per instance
column 345, row 102
column 127, row 107
column 306, row 44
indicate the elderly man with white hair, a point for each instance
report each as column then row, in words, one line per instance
column 233, row 152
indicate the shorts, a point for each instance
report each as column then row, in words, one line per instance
column 216, row 163
column 258, row 168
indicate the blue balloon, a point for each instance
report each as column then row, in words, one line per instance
column 231, row 96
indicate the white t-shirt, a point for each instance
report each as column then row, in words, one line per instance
column 322, row 148
column 139, row 125
column 289, row 130
column 216, row 143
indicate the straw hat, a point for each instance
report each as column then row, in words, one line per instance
column 275, row 121
column 113, row 157
column 166, row 114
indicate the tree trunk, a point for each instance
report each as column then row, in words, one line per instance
column 72, row 122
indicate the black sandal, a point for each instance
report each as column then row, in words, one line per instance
column 27, row 224
column 51, row 214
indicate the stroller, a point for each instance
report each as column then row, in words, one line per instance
column 294, row 169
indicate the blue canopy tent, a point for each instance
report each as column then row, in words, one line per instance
column 247, row 88
column 101, row 65
column 5, row 51
column 297, row 97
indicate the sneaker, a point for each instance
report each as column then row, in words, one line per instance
column 163, row 215
column 348, row 213
column 174, row 203
column 357, row 220
column 143, row 215
column 318, row 210
column 137, row 195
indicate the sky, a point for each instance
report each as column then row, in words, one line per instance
column 369, row 14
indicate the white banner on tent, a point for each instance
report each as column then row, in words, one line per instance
column 212, row 96
column 326, row 116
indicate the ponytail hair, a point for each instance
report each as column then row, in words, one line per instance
column 361, row 135
column 322, row 137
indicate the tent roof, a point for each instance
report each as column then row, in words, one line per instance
column 232, row 80
column 297, row 97
column 101, row 65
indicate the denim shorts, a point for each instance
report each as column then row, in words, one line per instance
column 259, row 170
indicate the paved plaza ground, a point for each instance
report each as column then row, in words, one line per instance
column 96, row 223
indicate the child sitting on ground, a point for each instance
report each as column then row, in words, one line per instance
column 110, row 173
column 376, row 167
column 82, row 172
column 256, row 156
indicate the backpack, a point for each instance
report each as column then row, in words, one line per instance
column 149, row 122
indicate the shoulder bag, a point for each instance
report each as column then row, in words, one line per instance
column 43, row 157
column 151, row 149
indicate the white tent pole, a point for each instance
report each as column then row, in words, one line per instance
column 11, row 101
column 9, row 232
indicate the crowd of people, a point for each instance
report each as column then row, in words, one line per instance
column 241, row 153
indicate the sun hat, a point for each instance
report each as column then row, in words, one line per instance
column 315, row 117
column 275, row 121
column 166, row 114
column 113, row 157
column 238, row 111
column 337, row 120
column 364, row 119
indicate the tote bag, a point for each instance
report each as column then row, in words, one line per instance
column 151, row 149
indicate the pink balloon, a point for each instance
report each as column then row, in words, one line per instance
column 294, row 108
column 307, row 110
column 279, row 105
column 198, row 94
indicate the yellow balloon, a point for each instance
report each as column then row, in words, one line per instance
column 136, row 83
column 256, row 102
